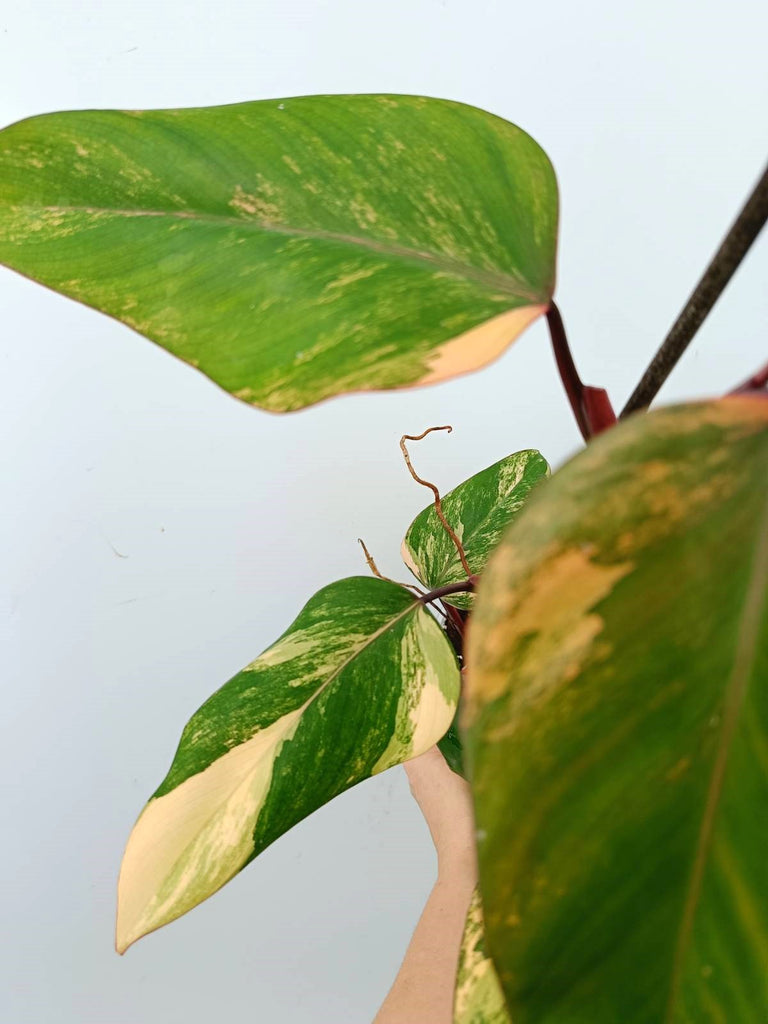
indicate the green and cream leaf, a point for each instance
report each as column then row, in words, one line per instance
column 616, row 727
column 478, row 998
column 291, row 249
column 479, row 510
column 362, row 680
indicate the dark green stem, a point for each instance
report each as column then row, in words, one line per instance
column 725, row 262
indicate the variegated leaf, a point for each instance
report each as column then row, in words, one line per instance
column 362, row 680
column 616, row 726
column 478, row 511
column 450, row 748
column 291, row 249
column 478, row 998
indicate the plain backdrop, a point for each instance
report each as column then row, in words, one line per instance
column 156, row 535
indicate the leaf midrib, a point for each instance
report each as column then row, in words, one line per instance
column 321, row 688
column 515, row 286
column 237, row 782
column 366, row 643
column 736, row 690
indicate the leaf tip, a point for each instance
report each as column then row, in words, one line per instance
column 123, row 939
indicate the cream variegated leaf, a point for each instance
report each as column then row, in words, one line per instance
column 478, row 510
column 478, row 998
column 291, row 249
column 362, row 680
column 615, row 722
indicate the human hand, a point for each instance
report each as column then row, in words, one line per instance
column 445, row 800
column 423, row 988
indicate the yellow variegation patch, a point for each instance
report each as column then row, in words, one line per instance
column 616, row 728
column 478, row 998
column 291, row 249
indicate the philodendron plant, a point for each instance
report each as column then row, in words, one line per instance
column 607, row 628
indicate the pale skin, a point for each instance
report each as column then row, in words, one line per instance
column 422, row 992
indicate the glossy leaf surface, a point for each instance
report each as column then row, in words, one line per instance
column 362, row 680
column 479, row 510
column 478, row 998
column 450, row 748
column 291, row 249
column 616, row 725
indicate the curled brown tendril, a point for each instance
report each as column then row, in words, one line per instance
column 425, row 483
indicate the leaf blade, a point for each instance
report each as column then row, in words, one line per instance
column 646, row 545
column 291, row 250
column 479, row 510
column 478, row 998
column 362, row 680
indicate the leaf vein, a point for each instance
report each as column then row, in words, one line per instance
column 506, row 281
column 736, row 691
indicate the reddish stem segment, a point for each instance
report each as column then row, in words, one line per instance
column 756, row 383
column 450, row 588
column 598, row 409
column 455, row 616
column 591, row 407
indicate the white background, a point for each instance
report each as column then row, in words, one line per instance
column 156, row 535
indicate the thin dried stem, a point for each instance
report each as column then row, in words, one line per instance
column 369, row 559
column 425, row 483
column 375, row 570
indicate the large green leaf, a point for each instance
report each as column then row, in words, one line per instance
column 478, row 998
column 291, row 249
column 616, row 724
column 362, row 680
column 478, row 510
